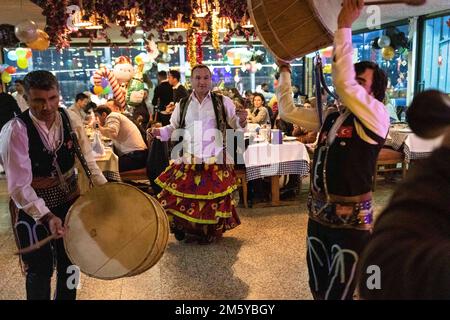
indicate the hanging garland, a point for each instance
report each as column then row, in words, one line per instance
column 154, row 14
column 215, row 32
column 191, row 48
column 199, row 49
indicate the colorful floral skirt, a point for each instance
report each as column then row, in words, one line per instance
column 197, row 198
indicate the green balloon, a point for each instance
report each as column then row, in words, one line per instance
column 106, row 90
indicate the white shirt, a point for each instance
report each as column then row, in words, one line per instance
column 15, row 159
column 200, row 136
column 23, row 105
column 126, row 135
column 77, row 112
column 365, row 107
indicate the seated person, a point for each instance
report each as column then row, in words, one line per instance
column 259, row 115
column 126, row 137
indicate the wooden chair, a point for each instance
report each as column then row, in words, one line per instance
column 240, row 174
column 388, row 161
column 134, row 176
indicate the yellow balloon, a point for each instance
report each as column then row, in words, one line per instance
column 6, row 77
column 163, row 47
column 237, row 61
column 22, row 63
column 327, row 69
column 41, row 43
column 98, row 90
column 388, row 53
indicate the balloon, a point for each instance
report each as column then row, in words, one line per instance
column 6, row 77
column 91, row 89
column 327, row 69
column 388, row 53
column 22, row 63
column 21, row 52
column 237, row 62
column 166, row 57
column 91, row 80
column 106, row 90
column 12, row 55
column 98, row 90
column 138, row 60
column 41, row 43
column 26, row 31
column 29, row 54
column 10, row 69
column 163, row 47
column 104, row 83
column 384, row 41
column 375, row 43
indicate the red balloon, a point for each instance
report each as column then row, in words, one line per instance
column 29, row 54
column 11, row 70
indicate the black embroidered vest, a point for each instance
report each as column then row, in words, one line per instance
column 41, row 158
column 350, row 164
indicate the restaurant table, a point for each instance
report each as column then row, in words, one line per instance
column 108, row 164
column 401, row 138
column 274, row 160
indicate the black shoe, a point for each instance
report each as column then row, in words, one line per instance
column 179, row 235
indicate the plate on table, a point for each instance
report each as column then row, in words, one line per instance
column 289, row 138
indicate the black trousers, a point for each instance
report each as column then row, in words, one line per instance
column 332, row 256
column 133, row 160
column 39, row 264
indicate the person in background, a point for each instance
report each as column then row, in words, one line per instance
column 126, row 137
column 19, row 95
column 81, row 100
column 248, row 100
column 163, row 97
column 38, row 151
column 179, row 91
column 113, row 105
column 8, row 107
column 340, row 202
column 259, row 115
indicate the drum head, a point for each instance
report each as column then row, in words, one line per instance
column 111, row 230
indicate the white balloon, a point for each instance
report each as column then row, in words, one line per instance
column 26, row 31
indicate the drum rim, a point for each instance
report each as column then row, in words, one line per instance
column 69, row 214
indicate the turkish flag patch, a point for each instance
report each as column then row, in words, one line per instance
column 345, row 132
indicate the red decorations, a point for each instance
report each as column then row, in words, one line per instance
column 199, row 42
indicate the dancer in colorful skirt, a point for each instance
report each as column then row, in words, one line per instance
column 198, row 184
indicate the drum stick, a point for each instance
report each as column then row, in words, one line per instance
column 37, row 245
column 408, row 2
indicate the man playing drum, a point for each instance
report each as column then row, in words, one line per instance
column 197, row 187
column 340, row 202
column 38, row 153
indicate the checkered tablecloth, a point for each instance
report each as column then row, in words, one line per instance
column 267, row 160
column 299, row 167
column 412, row 146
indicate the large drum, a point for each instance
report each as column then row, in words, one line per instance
column 293, row 28
column 115, row 230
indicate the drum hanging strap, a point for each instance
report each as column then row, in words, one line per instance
column 320, row 82
column 78, row 151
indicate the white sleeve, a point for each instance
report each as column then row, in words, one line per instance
column 97, row 176
column 166, row 131
column 371, row 112
column 14, row 154
column 307, row 118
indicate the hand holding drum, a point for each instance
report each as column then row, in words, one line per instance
column 429, row 114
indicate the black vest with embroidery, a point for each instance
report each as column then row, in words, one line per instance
column 219, row 111
column 350, row 164
column 41, row 158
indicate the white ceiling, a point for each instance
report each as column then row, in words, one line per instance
column 15, row 11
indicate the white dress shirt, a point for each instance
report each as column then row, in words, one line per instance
column 125, row 134
column 15, row 159
column 200, row 136
column 365, row 107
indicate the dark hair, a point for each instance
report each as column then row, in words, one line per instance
column 235, row 93
column 101, row 109
column 379, row 82
column 276, row 76
column 19, row 81
column 200, row 66
column 80, row 96
column 114, row 101
column 248, row 92
column 176, row 74
column 40, row 79
column 90, row 105
column 162, row 74
column 257, row 94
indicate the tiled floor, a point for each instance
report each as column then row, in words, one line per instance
column 263, row 258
